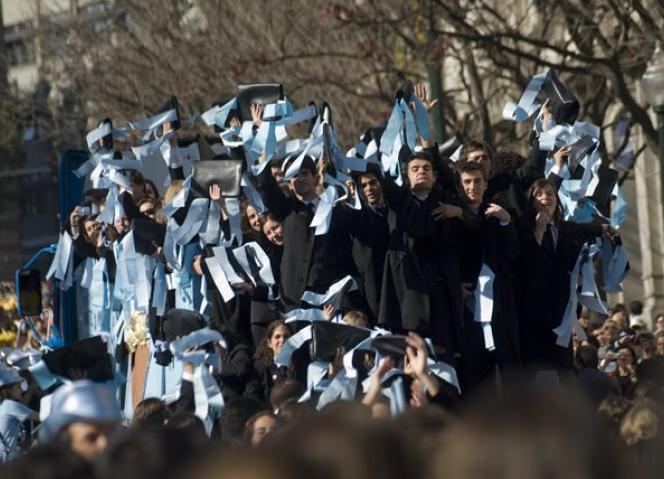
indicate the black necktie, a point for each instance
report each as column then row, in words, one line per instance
column 310, row 210
column 547, row 241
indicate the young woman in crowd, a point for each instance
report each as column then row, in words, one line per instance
column 550, row 247
column 276, row 335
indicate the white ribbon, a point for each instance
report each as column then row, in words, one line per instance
column 333, row 295
column 484, row 304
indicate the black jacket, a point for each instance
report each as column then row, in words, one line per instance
column 543, row 289
column 311, row 262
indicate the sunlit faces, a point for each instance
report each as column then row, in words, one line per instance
column 122, row 224
column 277, row 174
column 482, row 158
column 545, row 200
column 420, row 175
column 273, row 231
column 372, row 189
column 304, row 184
column 148, row 209
column 253, row 218
column 91, row 228
column 276, row 341
column 473, row 186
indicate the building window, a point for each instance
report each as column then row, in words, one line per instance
column 19, row 44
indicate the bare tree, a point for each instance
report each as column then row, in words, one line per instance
column 127, row 56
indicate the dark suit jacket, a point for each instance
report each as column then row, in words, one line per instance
column 543, row 289
column 421, row 284
column 498, row 247
column 311, row 262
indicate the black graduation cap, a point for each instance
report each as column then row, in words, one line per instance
column 95, row 195
column 405, row 155
column 607, row 181
column 392, row 346
column 312, row 121
column 326, row 113
column 170, row 104
column 308, row 163
column 233, row 112
column 259, row 93
column 148, row 235
column 89, row 355
column 406, row 91
column 326, row 337
column 107, row 140
column 180, row 322
column 327, row 150
column 578, row 150
column 563, row 105
column 221, row 169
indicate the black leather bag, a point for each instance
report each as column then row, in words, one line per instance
column 226, row 173
column 326, row 337
column 259, row 93
column 563, row 105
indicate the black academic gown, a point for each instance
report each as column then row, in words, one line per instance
column 421, row 284
column 497, row 246
column 370, row 261
column 263, row 310
column 311, row 262
column 543, row 290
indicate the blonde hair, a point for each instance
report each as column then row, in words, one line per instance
column 640, row 423
column 173, row 189
column 356, row 318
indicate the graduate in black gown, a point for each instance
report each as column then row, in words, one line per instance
column 494, row 244
column 370, row 256
column 422, row 284
column 313, row 262
column 550, row 247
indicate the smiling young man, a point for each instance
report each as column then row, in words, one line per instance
column 495, row 244
column 370, row 256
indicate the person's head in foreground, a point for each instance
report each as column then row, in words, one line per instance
column 84, row 415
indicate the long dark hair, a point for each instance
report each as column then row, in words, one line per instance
column 538, row 185
column 263, row 351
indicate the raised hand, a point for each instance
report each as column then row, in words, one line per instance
column 215, row 192
column 376, row 377
column 328, row 312
column 498, row 212
column 257, row 113
column 547, row 116
column 560, row 156
column 421, row 92
column 445, row 211
column 416, row 356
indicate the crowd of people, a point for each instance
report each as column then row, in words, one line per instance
column 403, row 309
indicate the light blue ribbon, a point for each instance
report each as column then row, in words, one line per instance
column 528, row 103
